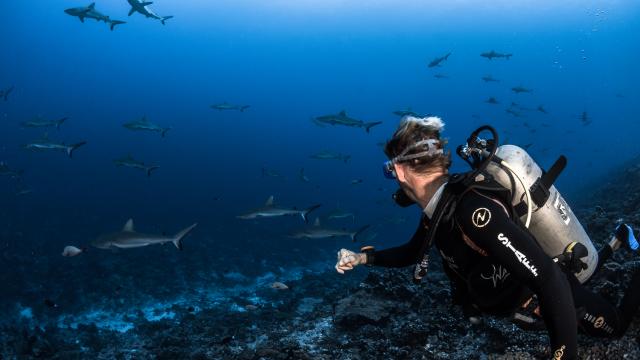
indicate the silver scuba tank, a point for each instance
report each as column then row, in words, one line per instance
column 553, row 224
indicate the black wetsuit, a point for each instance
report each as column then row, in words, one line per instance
column 495, row 265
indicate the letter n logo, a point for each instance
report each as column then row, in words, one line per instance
column 481, row 217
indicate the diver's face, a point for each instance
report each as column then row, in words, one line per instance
column 416, row 185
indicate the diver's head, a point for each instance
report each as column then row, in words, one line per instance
column 417, row 158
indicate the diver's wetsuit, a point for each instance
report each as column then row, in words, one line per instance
column 496, row 265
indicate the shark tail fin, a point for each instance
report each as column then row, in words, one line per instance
column 150, row 169
column 114, row 23
column 368, row 126
column 73, row 147
column 354, row 236
column 305, row 212
column 508, row 56
column 165, row 18
column 59, row 122
column 177, row 240
column 164, row 131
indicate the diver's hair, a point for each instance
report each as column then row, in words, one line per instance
column 410, row 131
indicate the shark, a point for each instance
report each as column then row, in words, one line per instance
column 271, row 210
column 407, row 112
column 145, row 125
column 328, row 155
column 318, row 232
column 343, row 119
column 142, row 7
column 46, row 144
column 5, row 93
column 489, row 78
column 129, row 161
column 492, row 100
column 90, row 12
column 226, row 106
column 39, row 123
column 339, row 213
column 437, row 61
column 128, row 238
column 492, row 54
column 520, row 89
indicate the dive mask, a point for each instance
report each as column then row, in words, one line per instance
column 431, row 150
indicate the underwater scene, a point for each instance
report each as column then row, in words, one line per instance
column 194, row 179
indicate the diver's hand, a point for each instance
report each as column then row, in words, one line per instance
column 347, row 259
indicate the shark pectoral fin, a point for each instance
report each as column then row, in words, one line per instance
column 128, row 226
column 146, row 3
column 81, row 18
column 177, row 240
column 132, row 11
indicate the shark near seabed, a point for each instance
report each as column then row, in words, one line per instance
column 128, row 238
column 129, row 161
column 341, row 118
column 271, row 210
column 143, row 8
column 318, row 232
column 90, row 12
column 46, row 144
column 146, row 125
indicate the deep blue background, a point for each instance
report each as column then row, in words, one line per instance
column 291, row 63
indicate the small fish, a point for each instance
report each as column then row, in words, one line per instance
column 51, row 304
column 71, row 251
column 279, row 286
column 441, row 76
column 356, row 181
column 266, row 172
column 227, row 339
column 407, row 112
column 251, row 307
column 542, row 109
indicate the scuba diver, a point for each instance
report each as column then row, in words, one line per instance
column 509, row 243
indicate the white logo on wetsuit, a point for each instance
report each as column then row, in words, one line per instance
column 521, row 257
column 481, row 217
column 499, row 274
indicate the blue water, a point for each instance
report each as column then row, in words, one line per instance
column 290, row 61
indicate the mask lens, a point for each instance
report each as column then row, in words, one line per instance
column 388, row 170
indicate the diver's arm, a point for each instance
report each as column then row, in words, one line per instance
column 488, row 225
column 400, row 256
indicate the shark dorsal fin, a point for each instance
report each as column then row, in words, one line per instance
column 342, row 113
column 92, row 6
column 317, row 222
column 144, row 119
column 269, row 201
column 128, row 227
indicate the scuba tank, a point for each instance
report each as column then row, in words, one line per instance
column 538, row 203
